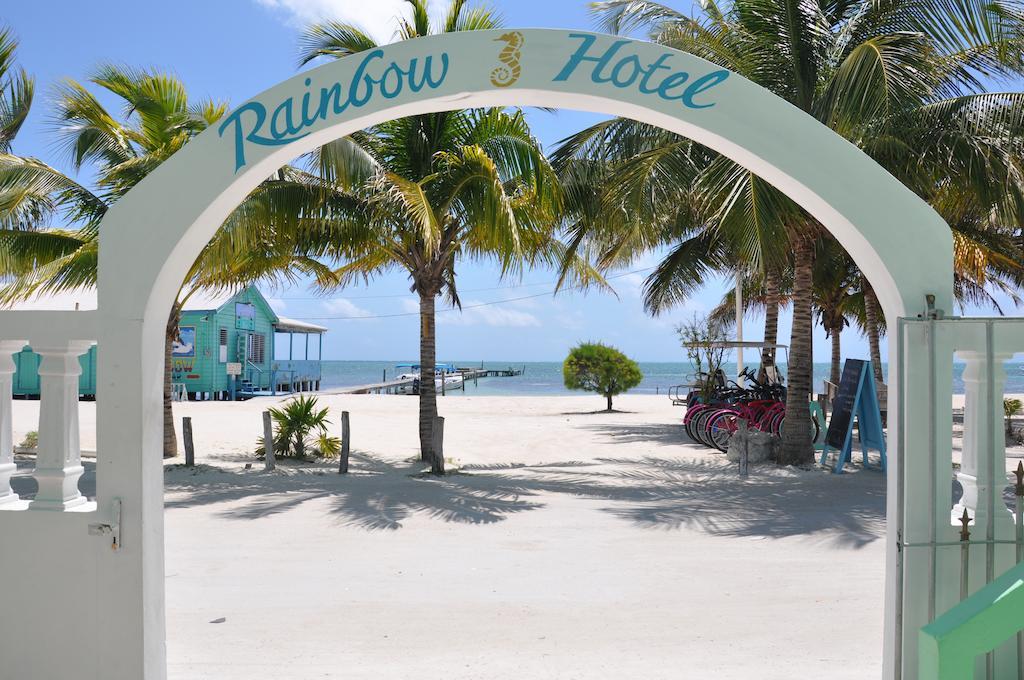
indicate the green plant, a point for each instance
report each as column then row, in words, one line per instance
column 701, row 338
column 300, row 427
column 30, row 441
column 1011, row 407
column 595, row 367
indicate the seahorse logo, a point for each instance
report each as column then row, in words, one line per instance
column 508, row 73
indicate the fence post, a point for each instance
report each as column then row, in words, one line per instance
column 437, row 465
column 346, row 437
column 741, row 431
column 269, row 460
column 190, row 449
column 965, row 555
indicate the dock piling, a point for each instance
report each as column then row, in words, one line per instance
column 269, row 459
column 346, row 437
column 438, row 440
column 190, row 449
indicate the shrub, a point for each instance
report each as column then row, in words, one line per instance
column 594, row 367
column 30, row 441
column 1011, row 407
column 300, row 427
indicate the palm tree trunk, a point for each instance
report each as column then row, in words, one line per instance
column 170, row 335
column 797, row 447
column 428, row 393
column 871, row 317
column 771, row 320
column 837, row 357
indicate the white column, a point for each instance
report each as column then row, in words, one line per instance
column 59, row 461
column 7, row 467
column 983, row 462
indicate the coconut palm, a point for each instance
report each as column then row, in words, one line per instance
column 16, row 90
column 423, row 193
column 158, row 119
column 902, row 79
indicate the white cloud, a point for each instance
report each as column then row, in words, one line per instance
column 346, row 308
column 488, row 316
column 277, row 304
column 376, row 17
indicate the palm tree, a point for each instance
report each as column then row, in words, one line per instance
column 16, row 91
column 421, row 194
column 36, row 258
column 902, row 79
column 836, row 296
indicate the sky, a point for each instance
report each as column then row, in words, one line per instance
column 230, row 50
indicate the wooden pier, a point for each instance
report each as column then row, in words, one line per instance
column 387, row 387
column 408, row 386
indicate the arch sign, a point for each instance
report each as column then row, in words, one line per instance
column 104, row 608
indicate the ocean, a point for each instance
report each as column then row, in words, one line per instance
column 545, row 377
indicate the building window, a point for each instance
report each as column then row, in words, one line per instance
column 245, row 315
column 223, row 345
column 256, row 349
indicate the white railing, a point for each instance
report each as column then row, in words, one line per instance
column 60, row 338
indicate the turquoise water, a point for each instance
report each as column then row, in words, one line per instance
column 545, row 377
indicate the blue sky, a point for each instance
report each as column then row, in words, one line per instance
column 233, row 49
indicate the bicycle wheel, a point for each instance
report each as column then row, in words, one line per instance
column 689, row 419
column 815, row 428
column 700, row 426
column 720, row 429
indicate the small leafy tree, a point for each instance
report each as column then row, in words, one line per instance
column 299, row 426
column 599, row 368
column 701, row 337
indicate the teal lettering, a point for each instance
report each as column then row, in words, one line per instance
column 289, row 130
column 674, row 80
column 290, row 120
column 581, row 56
column 632, row 62
column 703, row 84
column 653, row 68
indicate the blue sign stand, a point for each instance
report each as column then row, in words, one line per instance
column 867, row 410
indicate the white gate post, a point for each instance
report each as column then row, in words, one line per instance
column 7, row 467
column 59, row 461
column 983, row 463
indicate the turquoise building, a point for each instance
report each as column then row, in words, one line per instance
column 239, row 349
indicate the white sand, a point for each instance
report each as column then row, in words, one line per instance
column 611, row 549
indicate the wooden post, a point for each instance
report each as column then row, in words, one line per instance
column 745, row 451
column 269, row 460
column 346, row 437
column 965, row 555
column 190, row 449
column 437, row 467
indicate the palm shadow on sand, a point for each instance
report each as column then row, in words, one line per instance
column 652, row 493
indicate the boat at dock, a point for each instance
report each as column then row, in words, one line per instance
column 446, row 377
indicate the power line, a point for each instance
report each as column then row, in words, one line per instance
column 458, row 309
column 405, row 295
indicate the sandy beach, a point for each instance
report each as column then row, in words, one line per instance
column 571, row 544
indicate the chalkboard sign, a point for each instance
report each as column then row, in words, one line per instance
column 842, row 407
column 858, row 399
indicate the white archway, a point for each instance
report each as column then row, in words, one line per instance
column 153, row 234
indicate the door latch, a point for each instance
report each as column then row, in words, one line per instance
column 113, row 530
